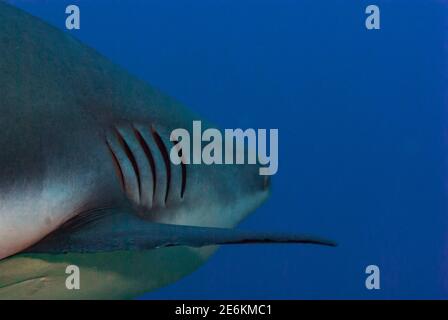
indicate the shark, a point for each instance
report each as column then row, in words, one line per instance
column 86, row 179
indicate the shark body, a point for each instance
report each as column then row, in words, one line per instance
column 85, row 177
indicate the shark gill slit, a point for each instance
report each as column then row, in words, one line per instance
column 117, row 166
column 150, row 158
column 184, row 179
column 166, row 159
column 183, row 172
column 131, row 158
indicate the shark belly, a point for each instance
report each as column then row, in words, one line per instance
column 108, row 275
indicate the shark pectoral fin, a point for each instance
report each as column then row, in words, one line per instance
column 109, row 230
column 176, row 235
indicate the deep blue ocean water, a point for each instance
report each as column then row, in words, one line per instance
column 361, row 124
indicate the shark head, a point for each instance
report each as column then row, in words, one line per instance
column 142, row 129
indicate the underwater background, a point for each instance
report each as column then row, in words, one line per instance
column 362, row 130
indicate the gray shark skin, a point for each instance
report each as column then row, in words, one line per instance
column 85, row 177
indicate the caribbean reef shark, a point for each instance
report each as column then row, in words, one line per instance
column 85, row 177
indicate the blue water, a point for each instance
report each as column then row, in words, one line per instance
column 361, row 128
